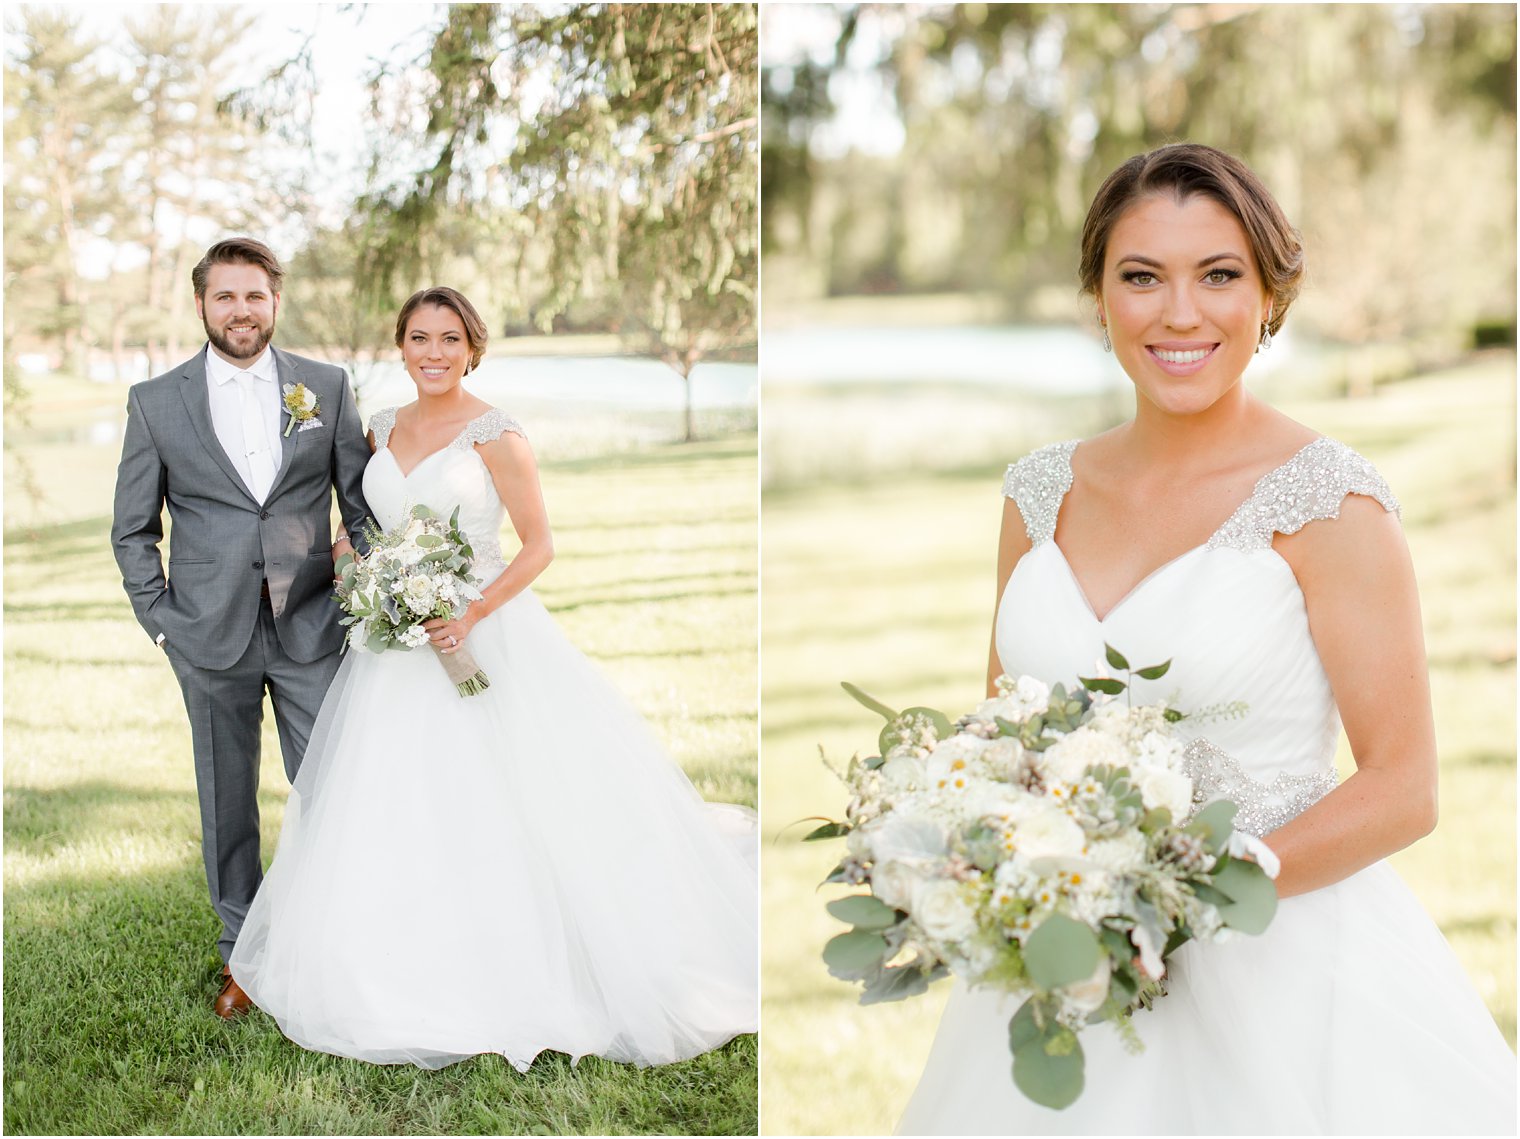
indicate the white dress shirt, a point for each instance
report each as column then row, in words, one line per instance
column 227, row 410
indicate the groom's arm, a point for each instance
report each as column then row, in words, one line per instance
column 137, row 525
column 350, row 456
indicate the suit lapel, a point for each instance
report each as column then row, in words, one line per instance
column 192, row 389
column 285, row 372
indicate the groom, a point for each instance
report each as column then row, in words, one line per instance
column 245, row 443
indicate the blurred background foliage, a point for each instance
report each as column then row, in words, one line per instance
column 1386, row 131
column 583, row 168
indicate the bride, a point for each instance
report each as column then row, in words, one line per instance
column 1267, row 562
column 519, row 870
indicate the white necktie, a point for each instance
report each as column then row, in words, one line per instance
column 262, row 465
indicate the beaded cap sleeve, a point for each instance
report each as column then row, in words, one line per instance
column 1037, row 483
column 482, row 429
column 1309, row 486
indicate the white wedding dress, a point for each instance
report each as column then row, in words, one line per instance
column 521, row 870
column 1350, row 1015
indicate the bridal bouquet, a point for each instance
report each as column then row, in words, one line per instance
column 415, row 572
column 1044, row 845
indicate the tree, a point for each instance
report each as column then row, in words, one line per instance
column 622, row 137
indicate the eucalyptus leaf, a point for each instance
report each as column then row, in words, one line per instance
column 428, row 541
column 1114, row 657
column 828, row 830
column 851, row 955
column 1053, row 1079
column 1061, row 951
column 1214, row 824
column 943, row 729
column 1253, row 894
column 863, row 911
column 899, row 983
column 869, row 701
column 1155, row 671
column 1102, row 684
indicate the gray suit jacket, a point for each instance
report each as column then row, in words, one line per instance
column 223, row 543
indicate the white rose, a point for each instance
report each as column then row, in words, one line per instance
column 1162, row 787
column 419, row 593
column 858, row 843
column 903, row 773
column 941, row 910
column 901, row 835
column 1002, row 756
column 1069, row 757
column 1049, row 834
column 894, row 882
column 1086, row 996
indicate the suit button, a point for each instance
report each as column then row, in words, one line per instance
column 263, row 514
column 258, row 565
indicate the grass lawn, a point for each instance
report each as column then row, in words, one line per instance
column 110, row 960
column 888, row 581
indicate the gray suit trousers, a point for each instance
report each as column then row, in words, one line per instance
column 226, row 708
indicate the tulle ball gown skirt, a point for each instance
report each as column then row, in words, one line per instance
column 517, row 871
column 1349, row 1016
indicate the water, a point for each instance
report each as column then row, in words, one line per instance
column 1039, row 359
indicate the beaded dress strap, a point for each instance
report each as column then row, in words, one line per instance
column 482, row 429
column 1037, row 483
column 380, row 425
column 1309, row 486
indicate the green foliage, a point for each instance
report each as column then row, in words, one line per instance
column 1048, row 1064
column 1253, row 895
column 863, row 911
column 1060, row 952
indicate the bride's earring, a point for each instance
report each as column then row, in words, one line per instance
column 1266, row 337
column 1108, row 345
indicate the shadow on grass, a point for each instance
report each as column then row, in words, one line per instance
column 109, row 1030
column 40, row 821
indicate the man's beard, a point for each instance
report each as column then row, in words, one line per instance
column 261, row 339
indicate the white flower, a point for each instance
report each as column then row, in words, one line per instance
column 1069, row 757
column 413, row 636
column 1017, row 699
column 1159, row 749
column 1151, row 963
column 1122, row 854
column 1086, row 996
column 903, row 773
column 907, row 835
column 942, row 911
column 894, row 882
column 420, row 593
column 858, row 843
column 1003, row 756
column 1162, row 787
column 1049, row 834
column 1242, row 845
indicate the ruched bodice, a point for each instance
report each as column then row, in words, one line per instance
column 1229, row 615
column 455, row 476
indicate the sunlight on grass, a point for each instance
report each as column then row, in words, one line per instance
column 887, row 580
column 109, row 935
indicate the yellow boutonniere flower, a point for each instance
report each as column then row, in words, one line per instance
column 301, row 402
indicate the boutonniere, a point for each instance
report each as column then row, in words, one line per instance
column 301, row 402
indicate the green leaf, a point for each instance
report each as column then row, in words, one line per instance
column 1102, row 684
column 1214, row 824
column 869, row 701
column 344, row 562
column 1115, row 657
column 428, row 541
column 850, row 955
column 1209, row 894
column 899, row 983
column 376, row 642
column 1254, row 896
column 943, row 729
column 1155, row 671
column 1048, row 1065
column 863, row 911
column 1173, row 716
column 1061, row 951
column 828, row 830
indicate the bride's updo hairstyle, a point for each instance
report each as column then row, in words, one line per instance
column 475, row 331
column 1182, row 170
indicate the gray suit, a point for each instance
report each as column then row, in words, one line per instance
column 226, row 641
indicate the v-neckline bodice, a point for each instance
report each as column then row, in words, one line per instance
column 1256, row 488
column 460, row 434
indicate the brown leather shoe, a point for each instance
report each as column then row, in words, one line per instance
column 231, row 1001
